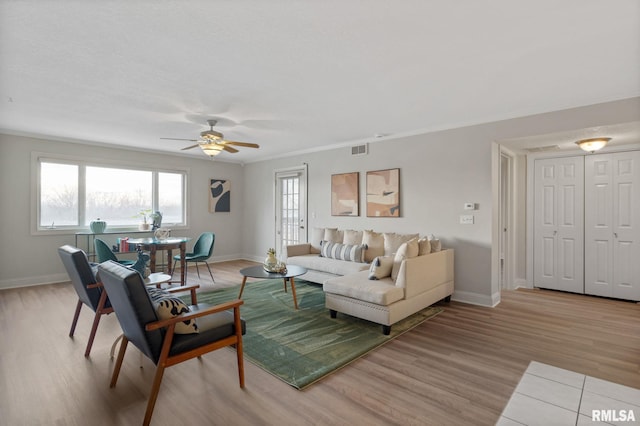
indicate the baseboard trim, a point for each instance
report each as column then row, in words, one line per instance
column 63, row 277
column 476, row 299
column 520, row 283
column 33, row 281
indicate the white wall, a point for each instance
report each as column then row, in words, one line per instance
column 27, row 259
column 440, row 171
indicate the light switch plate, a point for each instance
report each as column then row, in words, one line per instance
column 469, row 206
column 466, row 219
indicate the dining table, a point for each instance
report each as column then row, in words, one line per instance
column 169, row 244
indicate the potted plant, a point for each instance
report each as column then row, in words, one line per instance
column 145, row 225
column 271, row 261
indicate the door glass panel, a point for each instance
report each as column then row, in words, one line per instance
column 290, row 222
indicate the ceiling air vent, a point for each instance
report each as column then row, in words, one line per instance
column 359, row 150
column 544, row 148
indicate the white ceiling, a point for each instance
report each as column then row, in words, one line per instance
column 299, row 75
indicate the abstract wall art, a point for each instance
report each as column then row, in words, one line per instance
column 345, row 194
column 383, row 193
column 219, row 196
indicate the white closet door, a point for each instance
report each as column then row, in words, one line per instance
column 559, row 224
column 612, row 225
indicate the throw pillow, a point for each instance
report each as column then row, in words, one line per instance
column 375, row 245
column 405, row 251
column 333, row 235
column 168, row 306
column 380, row 267
column 352, row 237
column 435, row 244
column 339, row 251
column 393, row 241
column 424, row 246
column 317, row 235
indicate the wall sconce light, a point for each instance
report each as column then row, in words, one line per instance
column 593, row 144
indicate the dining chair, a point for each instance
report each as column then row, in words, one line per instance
column 158, row 339
column 89, row 291
column 104, row 253
column 202, row 251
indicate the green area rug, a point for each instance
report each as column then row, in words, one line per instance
column 300, row 347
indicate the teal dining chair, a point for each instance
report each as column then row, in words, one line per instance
column 202, row 251
column 104, row 253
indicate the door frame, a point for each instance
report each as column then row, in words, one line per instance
column 506, row 221
column 301, row 170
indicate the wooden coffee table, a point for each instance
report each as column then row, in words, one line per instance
column 259, row 272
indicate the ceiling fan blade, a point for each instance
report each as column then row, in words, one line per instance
column 174, row 139
column 229, row 149
column 190, row 147
column 246, row 144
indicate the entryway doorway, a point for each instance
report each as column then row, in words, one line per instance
column 290, row 206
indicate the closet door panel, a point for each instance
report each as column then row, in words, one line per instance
column 559, row 224
column 612, row 228
column 545, row 269
column 626, row 231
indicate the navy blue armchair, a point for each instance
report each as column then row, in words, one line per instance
column 218, row 326
column 87, row 287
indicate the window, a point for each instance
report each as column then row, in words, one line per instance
column 58, row 194
column 72, row 194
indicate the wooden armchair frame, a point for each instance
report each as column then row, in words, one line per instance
column 167, row 361
column 156, row 337
column 100, row 311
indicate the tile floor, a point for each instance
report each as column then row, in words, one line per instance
column 548, row 395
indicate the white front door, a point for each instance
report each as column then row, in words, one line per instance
column 291, row 207
column 559, row 224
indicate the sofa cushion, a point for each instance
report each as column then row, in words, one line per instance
column 375, row 245
column 351, row 253
column 333, row 234
column 436, row 246
column 358, row 286
column 316, row 237
column 405, row 251
column 352, row 237
column 380, row 267
column 424, row 246
column 325, row 264
column 393, row 241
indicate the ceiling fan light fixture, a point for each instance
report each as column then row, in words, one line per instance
column 211, row 149
column 593, row 144
column 211, row 135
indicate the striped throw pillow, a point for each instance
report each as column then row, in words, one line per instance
column 352, row 253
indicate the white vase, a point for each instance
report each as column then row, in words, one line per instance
column 271, row 262
column 144, row 227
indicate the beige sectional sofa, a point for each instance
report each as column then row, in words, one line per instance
column 396, row 275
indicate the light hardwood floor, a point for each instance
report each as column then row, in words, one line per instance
column 457, row 368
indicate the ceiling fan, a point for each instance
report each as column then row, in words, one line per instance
column 213, row 143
